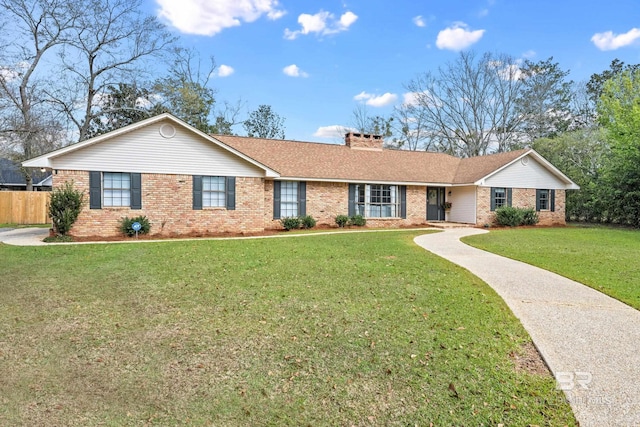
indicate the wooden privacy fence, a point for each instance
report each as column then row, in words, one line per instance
column 24, row 207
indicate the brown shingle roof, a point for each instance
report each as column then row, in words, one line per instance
column 293, row 159
column 475, row 168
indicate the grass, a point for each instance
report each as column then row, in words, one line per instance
column 15, row 225
column 603, row 258
column 343, row 329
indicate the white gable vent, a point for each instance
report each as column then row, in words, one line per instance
column 167, row 131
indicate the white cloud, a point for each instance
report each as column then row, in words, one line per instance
column 8, row 74
column 410, row 98
column 458, row 37
column 610, row 41
column 205, row 17
column 225, row 71
column 333, row 131
column 322, row 23
column 529, row 54
column 376, row 101
column 419, row 21
column 294, row 71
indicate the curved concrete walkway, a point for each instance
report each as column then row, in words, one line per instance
column 591, row 342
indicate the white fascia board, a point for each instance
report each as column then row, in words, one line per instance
column 366, row 181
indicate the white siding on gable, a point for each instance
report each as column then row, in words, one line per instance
column 145, row 150
column 463, row 204
column 525, row 173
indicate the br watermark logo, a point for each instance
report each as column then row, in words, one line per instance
column 572, row 380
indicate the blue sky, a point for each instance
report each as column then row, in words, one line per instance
column 314, row 62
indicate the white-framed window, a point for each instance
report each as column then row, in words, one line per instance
column 543, row 200
column 116, row 189
column 499, row 197
column 213, row 192
column 378, row 200
column 288, row 199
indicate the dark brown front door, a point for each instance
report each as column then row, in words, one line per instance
column 435, row 202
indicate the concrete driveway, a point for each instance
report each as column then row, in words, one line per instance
column 591, row 342
column 23, row 236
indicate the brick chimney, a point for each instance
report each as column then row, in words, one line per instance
column 362, row 141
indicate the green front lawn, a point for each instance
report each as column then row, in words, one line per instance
column 345, row 329
column 603, row 258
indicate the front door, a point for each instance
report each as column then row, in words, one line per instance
column 435, row 202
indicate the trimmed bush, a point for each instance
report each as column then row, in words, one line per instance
column 65, row 205
column 358, row 221
column 307, row 221
column 127, row 229
column 290, row 222
column 508, row 216
column 530, row 217
column 342, row 220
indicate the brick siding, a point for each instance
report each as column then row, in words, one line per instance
column 326, row 200
column 167, row 203
column 520, row 198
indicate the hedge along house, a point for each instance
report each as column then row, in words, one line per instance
column 188, row 182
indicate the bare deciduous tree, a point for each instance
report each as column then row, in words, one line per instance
column 467, row 108
column 410, row 128
column 112, row 39
column 33, row 29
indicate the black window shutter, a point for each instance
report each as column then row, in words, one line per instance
column 95, row 190
column 136, row 191
column 493, row 199
column 509, row 198
column 302, row 198
column 352, row 200
column 403, row 201
column 197, row 192
column 276, row 199
column 231, row 192
column 538, row 199
column 552, row 202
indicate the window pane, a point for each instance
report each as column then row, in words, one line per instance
column 544, row 200
column 213, row 191
column 288, row 199
column 500, row 197
column 116, row 189
column 380, row 201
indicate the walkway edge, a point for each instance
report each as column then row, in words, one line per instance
column 590, row 341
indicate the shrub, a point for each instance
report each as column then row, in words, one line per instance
column 290, row 222
column 126, row 224
column 342, row 220
column 65, row 205
column 358, row 221
column 509, row 216
column 512, row 217
column 307, row 221
column 530, row 217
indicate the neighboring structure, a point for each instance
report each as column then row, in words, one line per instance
column 187, row 182
column 12, row 179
